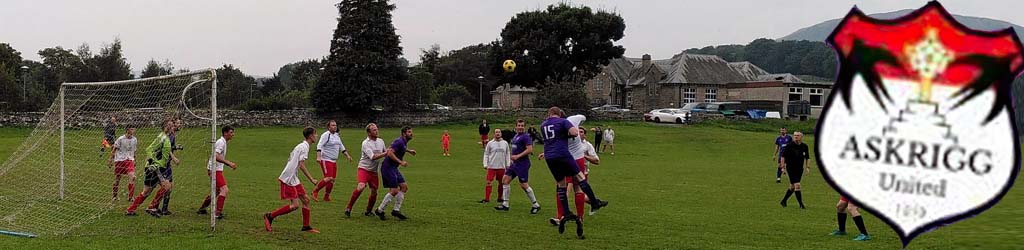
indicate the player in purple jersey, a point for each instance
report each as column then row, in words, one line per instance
column 780, row 145
column 392, row 178
column 556, row 132
column 522, row 147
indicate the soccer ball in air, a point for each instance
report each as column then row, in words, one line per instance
column 509, row 66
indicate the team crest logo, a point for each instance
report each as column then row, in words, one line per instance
column 920, row 129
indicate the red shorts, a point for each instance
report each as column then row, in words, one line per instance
column 220, row 179
column 444, row 145
column 330, row 168
column 291, row 192
column 483, row 138
column 495, row 173
column 582, row 164
column 841, row 199
column 124, row 167
column 370, row 178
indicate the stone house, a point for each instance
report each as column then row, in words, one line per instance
column 644, row 84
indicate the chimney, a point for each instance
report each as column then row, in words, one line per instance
column 646, row 60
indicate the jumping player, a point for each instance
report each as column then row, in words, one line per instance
column 369, row 164
column 122, row 158
column 327, row 156
column 291, row 187
column 393, row 179
column 522, row 147
column 556, row 132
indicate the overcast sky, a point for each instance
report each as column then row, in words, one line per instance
column 259, row 36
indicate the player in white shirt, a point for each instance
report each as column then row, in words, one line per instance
column 497, row 158
column 216, row 167
column 327, row 151
column 122, row 158
column 373, row 150
column 291, row 187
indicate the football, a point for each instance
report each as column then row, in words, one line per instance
column 509, row 66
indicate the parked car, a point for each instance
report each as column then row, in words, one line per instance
column 669, row 115
column 432, row 107
column 700, row 107
column 649, row 116
column 609, row 109
column 436, row 106
column 729, row 108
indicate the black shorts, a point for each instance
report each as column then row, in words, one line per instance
column 794, row 173
column 154, row 176
column 562, row 167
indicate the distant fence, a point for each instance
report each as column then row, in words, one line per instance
column 304, row 117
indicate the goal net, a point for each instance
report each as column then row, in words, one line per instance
column 60, row 180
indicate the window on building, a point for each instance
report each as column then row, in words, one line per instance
column 796, row 94
column 598, row 84
column 710, row 95
column 816, row 96
column 629, row 99
column 689, row 95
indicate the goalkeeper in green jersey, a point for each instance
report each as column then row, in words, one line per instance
column 159, row 153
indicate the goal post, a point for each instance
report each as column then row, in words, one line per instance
column 62, row 176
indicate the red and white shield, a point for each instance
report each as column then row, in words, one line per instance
column 919, row 129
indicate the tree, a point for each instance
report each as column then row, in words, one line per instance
column 154, row 68
column 558, row 44
column 10, row 65
column 301, row 75
column 430, row 58
column 110, row 64
column 796, row 57
column 272, row 86
column 10, row 57
column 233, row 86
column 464, row 67
column 449, row 94
column 62, row 65
column 569, row 96
column 421, row 85
column 364, row 67
column 38, row 96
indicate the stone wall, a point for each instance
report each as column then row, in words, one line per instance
column 302, row 117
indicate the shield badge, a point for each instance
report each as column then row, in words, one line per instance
column 919, row 129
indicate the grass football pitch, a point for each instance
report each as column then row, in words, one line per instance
column 670, row 187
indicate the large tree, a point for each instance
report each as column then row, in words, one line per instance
column 464, row 67
column 421, row 85
column 10, row 65
column 430, row 58
column 233, row 86
column 560, row 43
column 63, row 65
column 108, row 65
column 364, row 67
column 154, row 68
column 300, row 76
